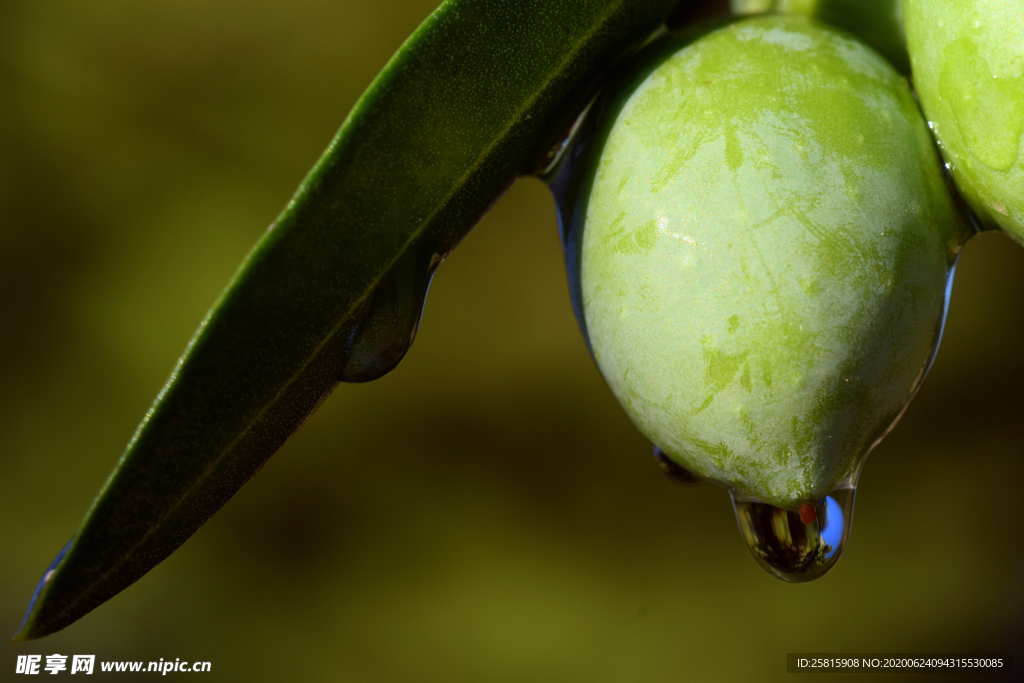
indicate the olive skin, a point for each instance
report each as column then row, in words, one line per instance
column 767, row 239
column 876, row 22
column 968, row 64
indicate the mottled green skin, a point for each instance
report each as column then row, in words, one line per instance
column 968, row 64
column 876, row 22
column 766, row 246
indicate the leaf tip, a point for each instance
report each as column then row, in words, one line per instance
column 31, row 626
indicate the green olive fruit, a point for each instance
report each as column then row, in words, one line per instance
column 766, row 244
column 876, row 22
column 968, row 65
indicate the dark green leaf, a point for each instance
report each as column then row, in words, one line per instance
column 332, row 291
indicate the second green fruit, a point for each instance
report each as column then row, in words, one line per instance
column 968, row 64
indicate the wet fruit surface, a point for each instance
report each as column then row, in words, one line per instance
column 876, row 22
column 766, row 245
column 968, row 64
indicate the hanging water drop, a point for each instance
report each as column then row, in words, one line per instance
column 674, row 470
column 567, row 177
column 798, row 544
column 390, row 318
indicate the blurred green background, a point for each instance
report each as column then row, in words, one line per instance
column 486, row 512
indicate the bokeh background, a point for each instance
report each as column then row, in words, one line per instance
column 485, row 512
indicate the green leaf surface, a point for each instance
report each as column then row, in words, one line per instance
column 469, row 102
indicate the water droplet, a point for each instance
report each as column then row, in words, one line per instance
column 799, row 544
column 47, row 578
column 390, row 318
column 566, row 179
column 674, row 470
